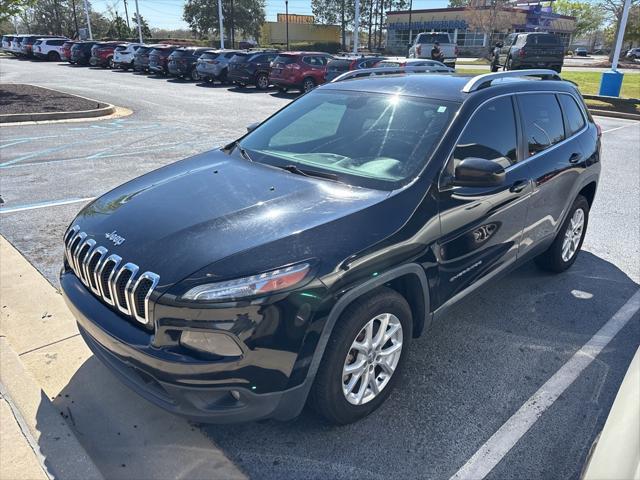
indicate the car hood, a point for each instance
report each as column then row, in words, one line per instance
column 193, row 213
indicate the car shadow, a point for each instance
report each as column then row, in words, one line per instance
column 463, row 379
column 249, row 89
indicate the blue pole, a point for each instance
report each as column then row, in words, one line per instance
column 611, row 82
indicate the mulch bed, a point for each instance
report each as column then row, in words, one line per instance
column 18, row 98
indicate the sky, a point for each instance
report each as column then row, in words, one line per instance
column 168, row 13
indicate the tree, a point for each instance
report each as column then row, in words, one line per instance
column 202, row 16
column 144, row 26
column 589, row 17
column 490, row 17
column 11, row 8
column 458, row 3
column 117, row 26
column 613, row 13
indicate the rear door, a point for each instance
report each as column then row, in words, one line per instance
column 555, row 157
column 482, row 227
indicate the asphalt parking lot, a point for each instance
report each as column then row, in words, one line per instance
column 466, row 376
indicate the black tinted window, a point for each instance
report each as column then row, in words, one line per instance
column 55, row 43
column 546, row 39
column 491, row 134
column 542, row 121
column 572, row 114
column 433, row 37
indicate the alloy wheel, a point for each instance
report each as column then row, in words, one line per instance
column 263, row 82
column 195, row 76
column 308, row 85
column 372, row 359
column 573, row 235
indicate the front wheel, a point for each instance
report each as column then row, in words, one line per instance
column 567, row 244
column 363, row 358
column 308, row 84
column 262, row 81
column 194, row 75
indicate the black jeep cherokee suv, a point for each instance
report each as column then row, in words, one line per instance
column 298, row 262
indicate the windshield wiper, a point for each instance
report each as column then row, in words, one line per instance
column 231, row 147
column 308, row 173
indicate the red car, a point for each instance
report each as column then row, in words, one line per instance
column 102, row 54
column 299, row 70
column 65, row 51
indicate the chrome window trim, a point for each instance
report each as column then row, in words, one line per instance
column 111, row 258
column 83, row 262
column 133, row 268
column 154, row 278
column 103, row 253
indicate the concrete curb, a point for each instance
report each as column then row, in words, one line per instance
column 103, row 110
column 613, row 114
column 53, row 442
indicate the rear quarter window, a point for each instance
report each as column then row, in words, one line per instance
column 572, row 113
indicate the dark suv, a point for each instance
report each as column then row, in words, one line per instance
column 81, row 53
column 159, row 59
column 529, row 50
column 182, row 62
column 251, row 68
column 299, row 262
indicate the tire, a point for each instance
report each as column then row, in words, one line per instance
column 555, row 259
column 194, row 75
column 308, row 84
column 262, row 81
column 328, row 396
column 53, row 57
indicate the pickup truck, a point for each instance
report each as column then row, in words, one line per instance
column 423, row 44
column 529, row 50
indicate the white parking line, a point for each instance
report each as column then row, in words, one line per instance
column 618, row 128
column 54, row 203
column 501, row 442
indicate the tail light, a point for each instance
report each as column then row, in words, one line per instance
column 353, row 65
column 521, row 53
column 419, row 50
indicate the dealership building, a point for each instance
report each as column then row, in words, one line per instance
column 469, row 27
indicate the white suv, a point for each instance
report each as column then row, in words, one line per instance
column 123, row 55
column 49, row 48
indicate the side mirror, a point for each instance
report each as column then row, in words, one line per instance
column 252, row 126
column 478, row 172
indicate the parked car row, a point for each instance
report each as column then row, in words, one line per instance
column 262, row 68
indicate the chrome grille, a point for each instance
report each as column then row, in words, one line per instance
column 116, row 283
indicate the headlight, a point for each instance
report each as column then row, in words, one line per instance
column 254, row 285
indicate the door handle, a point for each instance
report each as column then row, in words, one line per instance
column 518, row 186
column 575, row 158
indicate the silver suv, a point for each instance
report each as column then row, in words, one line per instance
column 213, row 64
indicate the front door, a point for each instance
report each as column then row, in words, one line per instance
column 482, row 227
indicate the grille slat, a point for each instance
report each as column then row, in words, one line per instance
column 119, row 286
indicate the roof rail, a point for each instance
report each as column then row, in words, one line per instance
column 480, row 81
column 370, row 72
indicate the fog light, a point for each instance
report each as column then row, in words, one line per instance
column 211, row 342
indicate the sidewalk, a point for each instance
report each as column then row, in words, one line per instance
column 112, row 432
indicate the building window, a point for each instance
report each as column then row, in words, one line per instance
column 471, row 38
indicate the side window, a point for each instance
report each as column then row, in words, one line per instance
column 572, row 114
column 491, row 134
column 543, row 125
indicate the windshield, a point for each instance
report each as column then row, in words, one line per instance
column 367, row 139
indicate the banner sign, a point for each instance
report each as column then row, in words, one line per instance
column 436, row 25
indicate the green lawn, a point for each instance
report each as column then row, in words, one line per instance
column 588, row 82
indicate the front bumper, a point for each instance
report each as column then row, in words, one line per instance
column 199, row 389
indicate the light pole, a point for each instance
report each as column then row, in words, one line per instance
column 86, row 12
column 286, row 13
column 410, row 29
column 139, row 22
column 356, row 28
column 221, row 25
